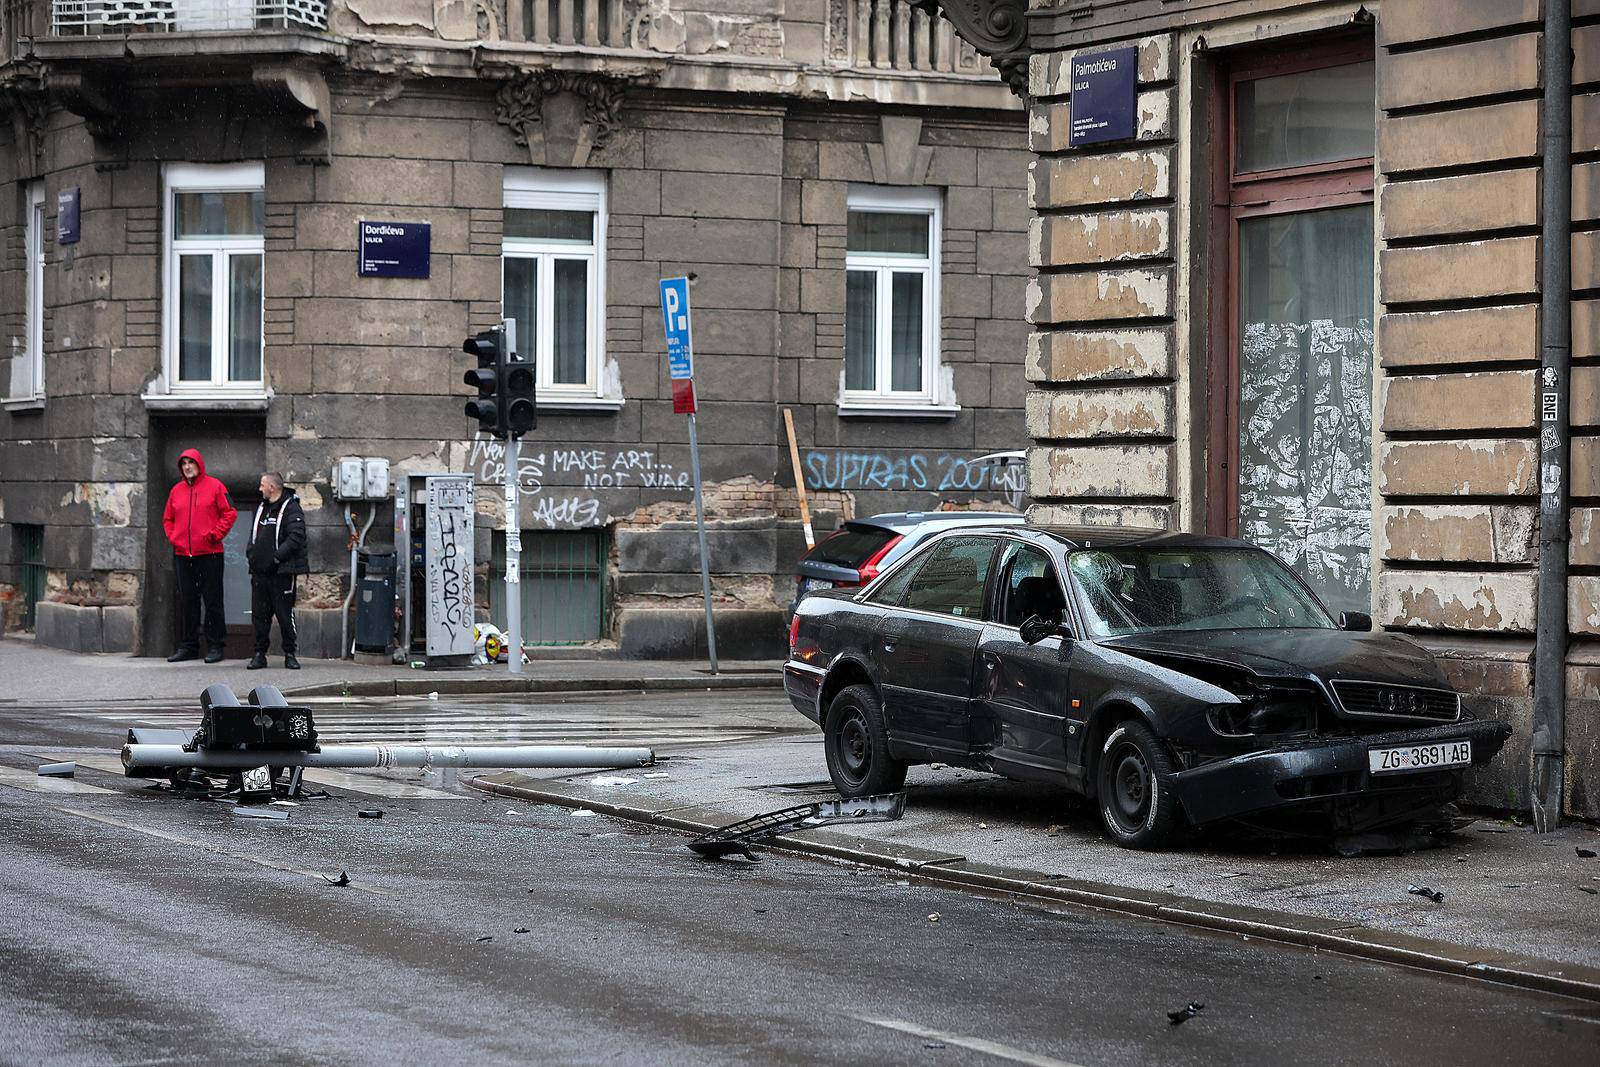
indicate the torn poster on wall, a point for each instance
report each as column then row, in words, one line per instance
column 1305, row 452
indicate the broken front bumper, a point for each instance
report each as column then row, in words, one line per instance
column 1329, row 772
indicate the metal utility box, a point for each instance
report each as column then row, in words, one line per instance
column 375, row 602
column 433, row 528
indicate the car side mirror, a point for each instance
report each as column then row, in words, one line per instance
column 1036, row 628
column 1355, row 620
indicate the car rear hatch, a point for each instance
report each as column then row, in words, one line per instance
column 846, row 558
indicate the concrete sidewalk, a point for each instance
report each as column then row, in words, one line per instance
column 1517, row 907
column 35, row 674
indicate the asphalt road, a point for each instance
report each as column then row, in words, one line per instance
column 139, row 927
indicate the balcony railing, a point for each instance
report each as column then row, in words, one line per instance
column 586, row 23
column 892, row 35
column 80, row 18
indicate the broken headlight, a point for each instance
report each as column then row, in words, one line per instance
column 1266, row 713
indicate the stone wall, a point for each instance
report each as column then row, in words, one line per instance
column 1123, row 355
column 746, row 194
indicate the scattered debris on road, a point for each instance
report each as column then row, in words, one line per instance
column 343, row 879
column 736, row 838
column 486, row 937
column 1423, row 891
column 579, row 813
column 369, row 813
column 69, row 769
column 261, row 813
column 933, row 917
column 1585, row 853
column 1185, row 1013
column 522, row 930
column 1591, row 890
column 613, row 779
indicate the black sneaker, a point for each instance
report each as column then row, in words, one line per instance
column 291, row 663
column 257, row 662
column 183, row 654
column 214, row 656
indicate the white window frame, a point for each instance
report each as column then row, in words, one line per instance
column 881, row 399
column 567, row 190
column 27, row 372
column 207, row 178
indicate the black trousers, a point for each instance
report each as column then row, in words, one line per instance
column 200, row 582
column 272, row 595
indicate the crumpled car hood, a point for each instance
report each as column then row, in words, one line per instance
column 1311, row 654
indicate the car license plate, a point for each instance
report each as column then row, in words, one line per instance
column 810, row 584
column 1419, row 757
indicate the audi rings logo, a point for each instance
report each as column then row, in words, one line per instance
column 1402, row 702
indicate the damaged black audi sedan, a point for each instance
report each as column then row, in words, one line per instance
column 1174, row 679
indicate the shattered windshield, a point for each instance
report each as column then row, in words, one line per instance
column 1136, row 590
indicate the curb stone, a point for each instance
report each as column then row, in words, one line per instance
column 445, row 686
column 943, row 868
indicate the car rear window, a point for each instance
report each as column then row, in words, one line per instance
column 851, row 546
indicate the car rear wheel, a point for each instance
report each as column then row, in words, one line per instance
column 1132, row 780
column 857, row 745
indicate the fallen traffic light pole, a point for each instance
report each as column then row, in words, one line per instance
column 269, row 733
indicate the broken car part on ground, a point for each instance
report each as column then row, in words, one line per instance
column 737, row 838
column 1176, row 680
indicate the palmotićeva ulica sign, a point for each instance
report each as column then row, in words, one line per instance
column 393, row 249
column 1105, row 92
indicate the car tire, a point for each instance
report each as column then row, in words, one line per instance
column 857, row 745
column 1132, row 779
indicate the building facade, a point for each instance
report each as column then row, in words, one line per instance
column 181, row 186
column 1300, row 304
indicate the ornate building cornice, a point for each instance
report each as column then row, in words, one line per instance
column 520, row 106
column 998, row 29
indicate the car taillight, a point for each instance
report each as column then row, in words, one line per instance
column 869, row 567
column 794, row 633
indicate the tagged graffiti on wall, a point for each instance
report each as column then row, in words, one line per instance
column 559, row 483
column 931, row 472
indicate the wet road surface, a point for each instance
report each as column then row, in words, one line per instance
column 141, row 927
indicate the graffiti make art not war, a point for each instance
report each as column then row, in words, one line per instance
column 586, row 468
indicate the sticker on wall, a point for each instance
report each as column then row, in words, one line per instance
column 1105, row 89
column 393, row 249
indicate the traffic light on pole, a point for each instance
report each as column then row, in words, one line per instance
column 489, row 407
column 517, row 395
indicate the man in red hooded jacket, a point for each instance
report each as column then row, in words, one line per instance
column 198, row 516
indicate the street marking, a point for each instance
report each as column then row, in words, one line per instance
column 33, row 783
column 179, row 839
column 108, row 764
column 976, row 1044
column 377, row 786
column 357, row 781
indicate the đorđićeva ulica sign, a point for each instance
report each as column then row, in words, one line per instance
column 393, row 249
column 1105, row 90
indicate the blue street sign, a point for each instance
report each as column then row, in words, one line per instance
column 1105, row 91
column 68, row 204
column 675, row 317
column 393, row 249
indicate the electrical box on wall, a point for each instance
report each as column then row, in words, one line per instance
column 349, row 479
column 376, row 482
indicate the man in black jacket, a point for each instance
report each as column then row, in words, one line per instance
column 277, row 553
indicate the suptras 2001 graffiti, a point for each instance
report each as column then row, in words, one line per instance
column 933, row 472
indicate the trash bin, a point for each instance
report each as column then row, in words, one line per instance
column 375, row 602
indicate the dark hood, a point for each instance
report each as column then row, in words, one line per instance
column 1323, row 654
column 199, row 461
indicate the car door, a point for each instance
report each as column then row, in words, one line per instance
column 1024, row 689
column 925, row 650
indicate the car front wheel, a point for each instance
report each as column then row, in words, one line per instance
column 857, row 745
column 1137, row 806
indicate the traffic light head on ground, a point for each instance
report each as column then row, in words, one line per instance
column 488, row 407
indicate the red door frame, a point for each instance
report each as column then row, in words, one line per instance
column 1236, row 196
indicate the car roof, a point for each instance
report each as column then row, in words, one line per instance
column 1076, row 537
column 901, row 521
